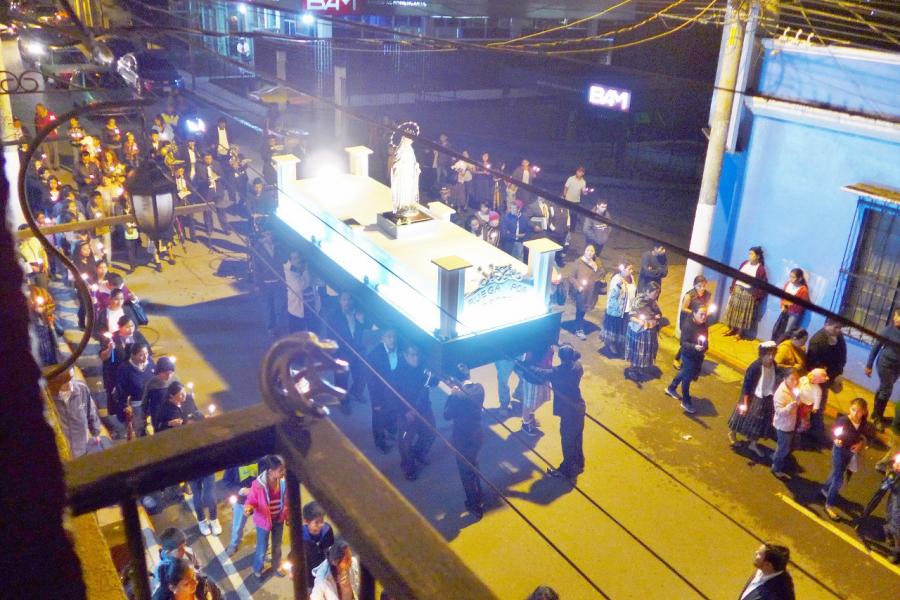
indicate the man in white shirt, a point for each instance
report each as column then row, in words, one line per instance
column 221, row 140
column 575, row 186
column 771, row 580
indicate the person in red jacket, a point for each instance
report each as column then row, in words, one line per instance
column 43, row 118
column 791, row 314
column 267, row 502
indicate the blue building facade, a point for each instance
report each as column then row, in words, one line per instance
column 815, row 181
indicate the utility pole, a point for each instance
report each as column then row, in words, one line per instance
column 723, row 99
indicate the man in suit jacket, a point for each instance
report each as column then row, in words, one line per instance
column 771, row 580
column 385, row 360
column 208, row 182
column 347, row 325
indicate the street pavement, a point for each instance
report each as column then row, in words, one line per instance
column 665, row 509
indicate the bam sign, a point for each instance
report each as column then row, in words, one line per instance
column 608, row 97
column 335, row 6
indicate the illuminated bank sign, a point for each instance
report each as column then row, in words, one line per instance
column 339, row 7
column 609, row 97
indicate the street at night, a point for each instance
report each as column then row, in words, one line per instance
column 731, row 440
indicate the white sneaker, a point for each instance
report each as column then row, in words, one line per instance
column 216, row 527
column 580, row 334
column 204, row 528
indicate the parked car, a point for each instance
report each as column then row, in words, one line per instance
column 92, row 84
column 149, row 71
column 34, row 44
column 44, row 13
column 59, row 63
column 108, row 49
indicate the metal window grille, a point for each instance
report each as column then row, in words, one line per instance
column 869, row 285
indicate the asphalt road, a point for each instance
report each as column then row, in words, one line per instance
column 666, row 509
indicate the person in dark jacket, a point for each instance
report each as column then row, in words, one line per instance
column 752, row 417
column 513, row 231
column 569, row 406
column 464, row 405
column 385, row 360
column 694, row 344
column 771, row 580
column 654, row 267
column 318, row 536
column 131, row 377
column 827, row 350
column 348, row 326
column 888, row 367
column 416, row 423
column 156, row 390
column 849, row 442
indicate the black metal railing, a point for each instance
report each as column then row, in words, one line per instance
column 293, row 422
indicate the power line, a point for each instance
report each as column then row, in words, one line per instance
column 605, row 34
column 651, row 38
column 561, row 27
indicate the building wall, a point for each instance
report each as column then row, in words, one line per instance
column 783, row 191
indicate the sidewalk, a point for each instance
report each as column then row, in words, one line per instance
column 738, row 354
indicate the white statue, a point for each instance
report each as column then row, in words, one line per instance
column 405, row 178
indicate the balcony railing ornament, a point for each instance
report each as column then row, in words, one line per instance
column 26, row 82
column 294, row 372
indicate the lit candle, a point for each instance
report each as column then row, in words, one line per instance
column 233, row 499
column 742, row 408
column 190, row 385
column 701, row 339
column 173, row 358
column 98, row 214
column 39, row 300
column 94, row 287
column 85, row 276
column 107, row 335
column 711, row 309
column 286, row 566
column 212, row 408
column 838, row 431
column 537, row 169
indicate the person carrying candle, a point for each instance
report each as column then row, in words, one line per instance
column 849, row 441
column 694, row 344
column 752, row 417
column 643, row 333
column 787, row 400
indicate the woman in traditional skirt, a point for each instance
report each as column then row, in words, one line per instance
column 535, row 391
column 752, row 417
column 619, row 301
column 643, row 332
column 740, row 313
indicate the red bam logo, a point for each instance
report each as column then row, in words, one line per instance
column 337, row 7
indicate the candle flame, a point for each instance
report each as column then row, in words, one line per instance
column 39, row 300
column 711, row 309
column 838, row 431
column 233, row 499
column 190, row 384
column 212, row 408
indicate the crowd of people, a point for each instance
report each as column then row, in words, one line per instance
column 783, row 394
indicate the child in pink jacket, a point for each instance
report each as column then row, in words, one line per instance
column 267, row 502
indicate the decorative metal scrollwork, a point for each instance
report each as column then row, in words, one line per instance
column 292, row 375
column 26, row 82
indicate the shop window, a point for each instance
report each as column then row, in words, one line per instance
column 869, row 284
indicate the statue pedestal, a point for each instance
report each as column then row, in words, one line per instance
column 399, row 227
